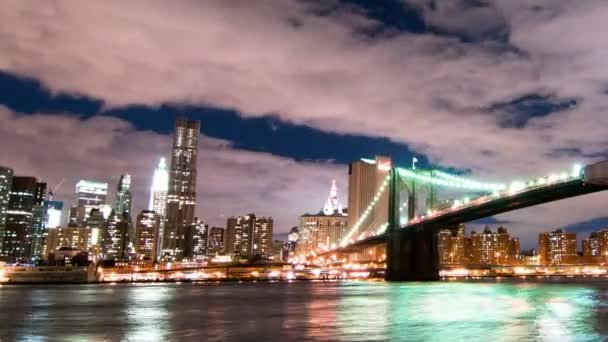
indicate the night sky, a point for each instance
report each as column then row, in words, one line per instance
column 290, row 91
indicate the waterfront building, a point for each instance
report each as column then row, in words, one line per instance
column 17, row 237
column 181, row 196
column 115, row 237
column 249, row 235
column 324, row 230
column 557, row 248
column 365, row 178
column 124, row 197
column 6, row 181
column 76, row 238
column 146, row 235
column 215, row 244
column 453, row 247
column 494, row 248
column 196, row 240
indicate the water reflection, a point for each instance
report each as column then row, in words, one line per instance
column 146, row 312
column 347, row 311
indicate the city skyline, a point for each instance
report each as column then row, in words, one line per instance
column 520, row 118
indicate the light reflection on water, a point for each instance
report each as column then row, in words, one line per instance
column 349, row 311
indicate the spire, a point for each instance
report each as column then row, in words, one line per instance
column 332, row 206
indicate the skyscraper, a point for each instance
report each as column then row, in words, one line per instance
column 196, row 240
column 89, row 195
column 158, row 197
column 249, row 235
column 324, row 230
column 124, row 198
column 115, row 236
column 365, row 177
column 39, row 218
column 17, row 237
column 181, row 197
column 6, row 181
column 146, row 235
column 53, row 214
column 159, row 189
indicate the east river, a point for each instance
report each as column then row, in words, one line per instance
column 306, row 311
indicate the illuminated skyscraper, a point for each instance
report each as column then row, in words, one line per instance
column 158, row 197
column 115, row 236
column 89, row 195
column 39, row 218
column 53, row 212
column 196, row 240
column 181, row 197
column 146, row 235
column 6, row 181
column 159, row 189
column 365, row 177
column 124, row 198
column 17, row 236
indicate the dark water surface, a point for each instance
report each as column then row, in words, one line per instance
column 306, row 311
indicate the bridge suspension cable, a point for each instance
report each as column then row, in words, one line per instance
column 450, row 181
column 349, row 236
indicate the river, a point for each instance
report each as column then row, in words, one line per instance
column 306, row 311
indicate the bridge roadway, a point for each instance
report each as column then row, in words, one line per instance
column 412, row 249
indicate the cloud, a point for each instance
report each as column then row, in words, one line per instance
column 283, row 58
column 230, row 181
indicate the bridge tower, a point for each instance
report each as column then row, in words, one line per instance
column 412, row 254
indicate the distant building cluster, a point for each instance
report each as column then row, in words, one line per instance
column 484, row 249
column 96, row 229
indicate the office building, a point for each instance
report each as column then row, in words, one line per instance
column 181, row 197
column 324, row 230
column 54, row 211
column 215, row 244
column 115, row 237
column 124, row 197
column 17, row 236
column 159, row 189
column 365, row 178
column 6, row 181
column 89, row 195
column 249, row 235
column 196, row 241
column 146, row 235
column 39, row 218
column 557, row 248
column 158, row 196
column 75, row 238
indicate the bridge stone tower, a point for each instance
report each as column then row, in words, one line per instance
column 412, row 254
